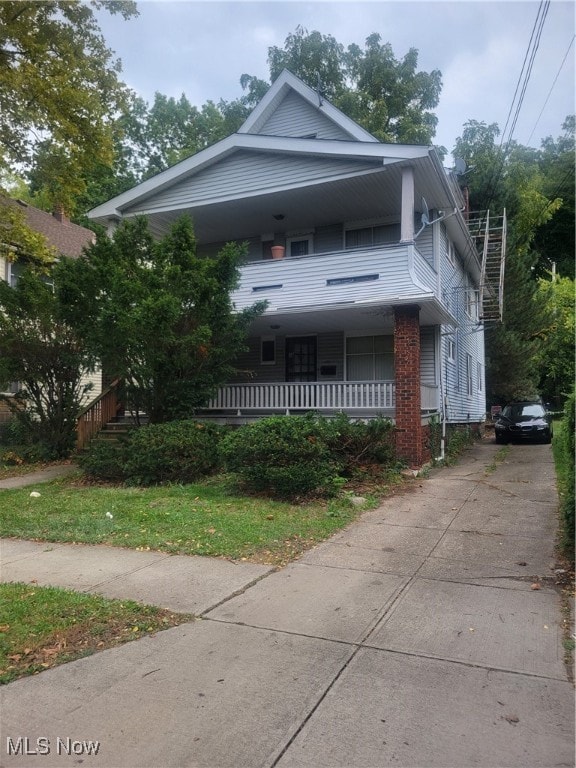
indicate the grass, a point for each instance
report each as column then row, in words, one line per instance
column 46, row 626
column 207, row 518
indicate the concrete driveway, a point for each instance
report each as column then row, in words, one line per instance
column 413, row 639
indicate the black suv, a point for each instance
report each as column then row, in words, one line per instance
column 522, row 421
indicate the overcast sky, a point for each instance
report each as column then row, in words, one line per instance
column 202, row 48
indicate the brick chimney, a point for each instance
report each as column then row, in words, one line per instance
column 60, row 214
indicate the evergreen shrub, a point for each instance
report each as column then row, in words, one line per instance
column 286, row 456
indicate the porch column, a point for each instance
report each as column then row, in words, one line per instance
column 409, row 435
column 407, row 211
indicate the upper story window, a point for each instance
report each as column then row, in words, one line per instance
column 451, row 253
column 451, row 349
column 471, row 303
column 299, row 246
column 366, row 237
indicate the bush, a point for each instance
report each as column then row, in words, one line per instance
column 283, row 455
column 104, row 459
column 569, row 500
column 175, row 452
column 356, row 443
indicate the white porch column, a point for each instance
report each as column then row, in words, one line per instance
column 407, row 213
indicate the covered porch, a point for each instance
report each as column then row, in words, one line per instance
column 360, row 398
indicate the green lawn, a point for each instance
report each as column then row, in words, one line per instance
column 45, row 626
column 202, row 519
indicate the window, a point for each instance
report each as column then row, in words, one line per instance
column 471, row 298
column 299, row 246
column 479, row 376
column 366, row 237
column 469, row 382
column 369, row 358
column 268, row 350
column 451, row 348
column 451, row 253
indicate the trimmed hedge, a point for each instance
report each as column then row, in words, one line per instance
column 292, row 456
column 282, row 455
column 174, row 452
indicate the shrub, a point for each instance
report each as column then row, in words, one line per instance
column 568, row 448
column 356, row 443
column 283, row 455
column 175, row 452
column 104, row 459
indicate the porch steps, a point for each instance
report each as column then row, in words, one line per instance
column 489, row 234
column 116, row 429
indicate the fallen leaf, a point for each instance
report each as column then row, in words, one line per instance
column 535, row 586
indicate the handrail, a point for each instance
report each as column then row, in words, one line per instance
column 96, row 414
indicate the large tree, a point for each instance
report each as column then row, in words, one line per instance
column 387, row 96
column 509, row 177
column 59, row 89
column 41, row 351
column 157, row 315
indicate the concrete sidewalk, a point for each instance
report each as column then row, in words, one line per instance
column 411, row 639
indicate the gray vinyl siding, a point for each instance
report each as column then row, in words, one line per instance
column 425, row 245
column 469, row 340
column 247, row 172
column 329, row 239
column 428, row 355
column 297, row 118
column 305, row 282
column 330, row 351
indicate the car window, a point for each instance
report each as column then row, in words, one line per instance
column 523, row 411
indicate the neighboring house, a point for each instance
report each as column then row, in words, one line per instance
column 375, row 307
column 67, row 239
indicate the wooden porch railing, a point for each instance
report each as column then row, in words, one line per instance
column 342, row 395
column 96, row 414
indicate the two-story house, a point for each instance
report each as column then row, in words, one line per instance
column 361, row 249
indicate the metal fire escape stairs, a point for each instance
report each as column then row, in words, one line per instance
column 489, row 234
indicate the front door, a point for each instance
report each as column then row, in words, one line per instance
column 301, row 358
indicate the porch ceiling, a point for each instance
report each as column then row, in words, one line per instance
column 368, row 195
column 377, row 318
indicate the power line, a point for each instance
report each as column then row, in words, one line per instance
column 521, row 86
column 552, row 87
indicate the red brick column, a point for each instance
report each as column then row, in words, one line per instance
column 409, row 436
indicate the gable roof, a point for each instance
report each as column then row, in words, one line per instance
column 353, row 142
column 285, row 83
column 67, row 238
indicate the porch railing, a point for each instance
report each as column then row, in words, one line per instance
column 96, row 414
column 287, row 396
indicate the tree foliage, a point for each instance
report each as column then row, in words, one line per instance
column 511, row 178
column 41, row 351
column 554, row 357
column 387, row 96
column 59, row 90
column 158, row 316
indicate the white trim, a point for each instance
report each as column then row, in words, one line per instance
column 283, row 84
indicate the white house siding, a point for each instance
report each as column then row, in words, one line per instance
column 95, row 379
column 297, row 118
column 246, row 172
column 468, row 339
column 304, row 281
